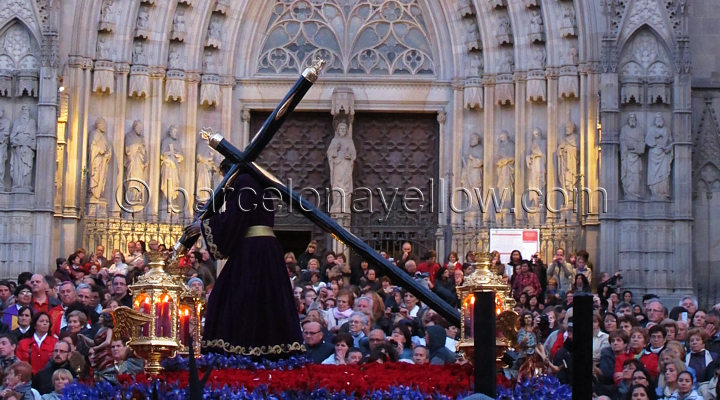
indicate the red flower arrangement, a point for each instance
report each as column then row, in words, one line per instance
column 449, row 380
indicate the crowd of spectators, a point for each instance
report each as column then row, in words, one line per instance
column 643, row 347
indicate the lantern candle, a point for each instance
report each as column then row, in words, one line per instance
column 184, row 315
column 162, row 316
column 142, row 304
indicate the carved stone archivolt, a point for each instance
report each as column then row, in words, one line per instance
column 645, row 68
column 376, row 37
column 19, row 59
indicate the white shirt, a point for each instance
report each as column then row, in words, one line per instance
column 39, row 340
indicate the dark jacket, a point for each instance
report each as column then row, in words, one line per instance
column 438, row 353
column 42, row 381
column 317, row 354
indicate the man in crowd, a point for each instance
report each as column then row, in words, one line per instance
column 18, row 379
column 67, row 296
column 655, row 312
column 420, row 355
column 41, row 302
column 42, row 381
column 561, row 271
column 317, row 349
column 8, row 345
column 120, row 290
column 6, row 298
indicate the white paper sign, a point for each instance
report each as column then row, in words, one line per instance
column 507, row 240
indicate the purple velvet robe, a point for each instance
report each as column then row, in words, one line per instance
column 251, row 310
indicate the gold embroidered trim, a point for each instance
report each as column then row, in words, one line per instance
column 210, row 241
column 254, row 351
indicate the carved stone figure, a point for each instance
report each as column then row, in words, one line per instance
column 632, row 146
column 178, row 27
column 143, row 19
column 103, row 49
column 170, row 160
column 505, row 165
column 504, row 34
column 506, row 65
column 174, row 58
column 139, row 56
column 567, row 157
column 100, row 154
column 209, row 62
column 472, row 35
column 475, row 66
column 136, row 162
column 537, row 31
column 213, row 38
column 571, row 57
column 107, row 22
column 205, row 168
column 567, row 23
column 4, row 142
column 535, row 161
column 474, row 164
column 539, row 56
column 660, row 155
column 341, row 156
column 22, row 142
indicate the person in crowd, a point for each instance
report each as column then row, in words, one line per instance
column 420, row 355
column 605, row 369
column 354, row 356
column 60, row 378
column 342, row 342
column 670, row 327
column 689, row 303
column 669, row 384
column 642, row 377
column 540, row 269
column 339, row 315
column 698, row 358
column 453, row 262
column 698, row 319
column 18, row 379
column 435, row 341
column 610, row 322
column 317, row 348
column 525, row 281
column 514, row 263
column 581, row 267
column 526, row 339
column 627, row 323
column 43, row 381
column 582, row 285
column 67, row 295
column 118, row 265
column 600, row 338
column 561, row 271
column 310, row 252
column 685, row 389
column 62, row 270
column 402, row 336
column 23, row 323
column 407, row 255
column 38, row 348
column 120, row 290
column 357, row 325
column 23, row 298
column 8, row 346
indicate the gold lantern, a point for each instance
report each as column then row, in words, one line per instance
column 158, row 294
column 484, row 279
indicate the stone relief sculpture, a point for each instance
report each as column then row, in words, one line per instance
column 568, row 23
column 660, row 155
column 472, row 35
column 537, row 30
column 107, row 22
column 632, row 146
column 567, row 157
column 505, row 165
column 139, row 56
column 136, row 163
column 103, row 49
column 174, row 58
column 205, row 168
column 22, row 156
column 100, row 154
column 535, row 161
column 539, row 57
column 504, row 34
column 213, row 35
column 473, row 166
column 178, row 27
column 170, row 159
column 142, row 23
column 341, row 156
column 4, row 142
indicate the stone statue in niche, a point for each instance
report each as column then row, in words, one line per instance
column 567, row 23
column 178, row 27
column 539, row 56
column 473, row 166
column 537, row 31
column 143, row 19
column 205, row 168
column 504, row 34
column 4, row 142
column 106, row 16
column 567, row 157
column 660, row 155
column 341, row 156
column 472, row 35
column 475, row 66
column 571, row 57
column 632, row 147
column 22, row 143
column 535, row 161
column 174, row 58
column 103, row 49
column 139, row 57
column 506, row 65
column 209, row 62
column 214, row 39
column 505, row 166
column 170, row 159
column 136, row 163
column 100, row 154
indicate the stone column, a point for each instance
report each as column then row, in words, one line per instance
column 519, row 216
column 118, row 137
column 553, row 200
column 609, row 168
column 194, row 140
column 490, row 137
column 155, row 133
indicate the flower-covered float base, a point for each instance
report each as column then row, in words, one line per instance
column 242, row 378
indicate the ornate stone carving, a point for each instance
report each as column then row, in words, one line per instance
column 178, row 28
column 644, row 12
column 535, row 162
column 139, row 81
column 660, row 156
column 222, row 6
column 341, row 156
column 505, row 90
column 343, row 100
column 5, row 82
column 632, row 147
column 568, row 82
column 104, row 50
column 100, row 155
column 27, row 83
column 465, row 8
column 530, row 3
column 473, row 164
column 4, row 144
column 174, row 85
column 214, row 38
column 142, row 23
column 536, row 86
column 706, row 152
column 103, row 77
column 497, row 3
column 473, row 93
column 107, row 16
column 567, row 157
column 504, row 31
column 210, row 90
column 22, row 144
column 568, row 24
column 472, row 35
column 16, row 8
column 537, row 28
column 170, row 159
column 505, row 165
column 475, row 64
column 136, row 163
column 205, row 169
column 645, row 64
column 350, row 42
column 539, row 57
column 138, row 56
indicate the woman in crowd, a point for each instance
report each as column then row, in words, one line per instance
column 639, row 315
column 698, row 319
column 515, row 261
column 685, row 390
column 339, row 315
column 453, row 263
column 118, row 265
column 640, row 392
column 402, row 336
column 525, row 281
column 698, row 358
column 535, row 305
column 643, row 378
column 610, row 322
column 636, row 349
column 76, row 321
column 38, row 348
column 523, row 301
column 600, row 338
column 628, row 368
column 526, row 338
column 343, row 342
column 669, row 384
column 24, row 321
column 309, row 253
column 60, row 378
column 582, row 285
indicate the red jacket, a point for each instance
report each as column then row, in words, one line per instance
column 38, row 357
column 56, row 314
column 647, row 359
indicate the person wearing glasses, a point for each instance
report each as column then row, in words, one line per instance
column 23, row 298
column 42, row 381
column 317, row 348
